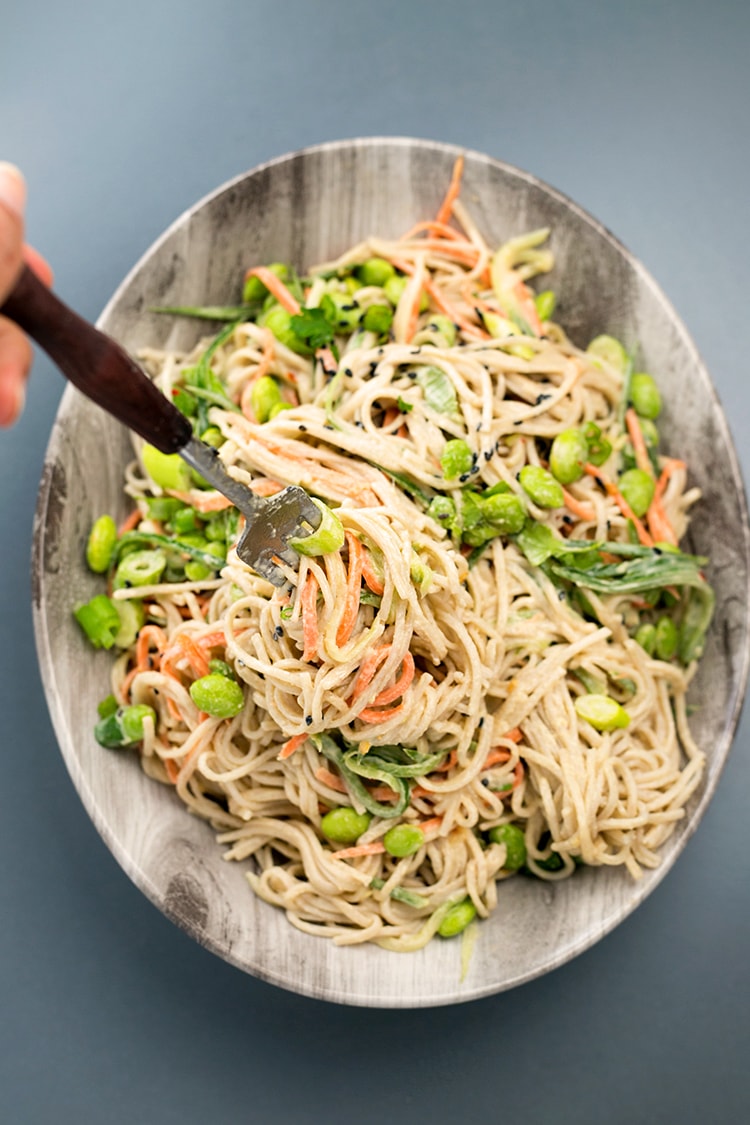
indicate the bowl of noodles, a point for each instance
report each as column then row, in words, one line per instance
column 476, row 723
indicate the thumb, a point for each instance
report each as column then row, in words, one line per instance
column 12, row 202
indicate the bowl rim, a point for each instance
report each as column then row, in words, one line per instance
column 49, row 497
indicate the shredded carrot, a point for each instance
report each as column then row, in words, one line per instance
column 293, row 744
column 373, row 581
column 212, row 640
column 367, row 670
column 497, row 756
column 130, row 522
column 328, row 360
column 454, row 187
column 448, row 764
column 277, row 287
column 515, row 735
column 194, row 654
column 309, row 602
column 330, row 779
column 431, row 825
column 442, row 302
column 433, row 226
column 172, row 771
column 202, row 501
column 395, row 691
column 613, row 491
column 642, row 459
column 353, row 589
column 583, row 511
column 377, row 847
column 149, row 634
column 369, row 715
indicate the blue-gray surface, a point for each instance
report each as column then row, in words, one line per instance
column 123, row 114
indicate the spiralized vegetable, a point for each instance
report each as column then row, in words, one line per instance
column 425, row 673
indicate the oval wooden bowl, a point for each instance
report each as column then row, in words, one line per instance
column 304, row 208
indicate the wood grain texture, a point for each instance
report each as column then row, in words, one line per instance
column 305, row 208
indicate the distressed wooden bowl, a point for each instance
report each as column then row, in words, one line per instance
column 304, row 208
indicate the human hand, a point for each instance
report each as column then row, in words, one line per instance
column 15, row 349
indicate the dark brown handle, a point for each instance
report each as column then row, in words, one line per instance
column 99, row 367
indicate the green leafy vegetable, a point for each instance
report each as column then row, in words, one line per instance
column 439, row 393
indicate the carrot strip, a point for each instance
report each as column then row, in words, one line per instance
column 515, row 735
column 670, row 467
column 369, row 715
column 377, row 847
column 148, row 634
column 497, row 756
column 202, row 502
column 293, row 744
column 526, row 301
column 431, row 824
column 454, row 187
column 309, row 601
column 448, row 764
column 353, row 586
column 277, row 287
column 583, row 511
column 367, row 670
column 194, row 654
column 172, row 771
column 436, row 227
column 373, row 581
column 642, row 459
column 613, row 491
column 442, row 302
column 130, row 522
column 264, row 486
column 330, row 779
column 402, row 683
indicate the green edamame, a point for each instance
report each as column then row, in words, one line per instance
column 644, row 395
column 403, row 839
column 101, row 544
column 637, row 486
column 457, row 918
column 515, row 845
column 541, row 487
column 217, row 695
column 569, row 453
column 344, row 825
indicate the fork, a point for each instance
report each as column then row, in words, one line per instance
column 106, row 374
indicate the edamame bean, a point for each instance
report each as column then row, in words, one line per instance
column 504, row 512
column 101, row 544
column 344, row 825
column 569, row 453
column 132, row 718
column 602, row 712
column 515, row 844
column 610, row 350
column 646, row 637
column 403, row 839
column 545, row 304
column 197, row 571
column 665, row 642
column 279, row 321
column 217, row 695
column 221, row 668
column 264, row 395
column 637, row 486
column 375, row 271
column 346, row 313
column 541, row 487
column 644, row 395
column 213, row 436
column 278, row 408
column 650, row 433
column 168, row 470
column 457, row 918
column 378, row 318
column 456, row 458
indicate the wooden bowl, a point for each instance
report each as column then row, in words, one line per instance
column 304, row 208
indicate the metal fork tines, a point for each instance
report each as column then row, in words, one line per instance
column 269, row 523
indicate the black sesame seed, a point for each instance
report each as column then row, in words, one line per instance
column 302, row 428
column 561, row 595
column 488, row 454
column 308, row 720
column 480, row 724
column 541, row 398
column 464, row 477
column 278, row 633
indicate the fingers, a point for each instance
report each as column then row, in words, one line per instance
column 15, row 349
column 12, row 202
column 38, row 264
column 15, row 363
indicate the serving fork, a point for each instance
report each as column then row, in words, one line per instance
column 103, row 371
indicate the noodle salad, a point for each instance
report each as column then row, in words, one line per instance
column 480, row 666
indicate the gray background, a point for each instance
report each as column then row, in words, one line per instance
column 121, row 116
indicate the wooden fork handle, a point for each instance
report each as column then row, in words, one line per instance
column 94, row 363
